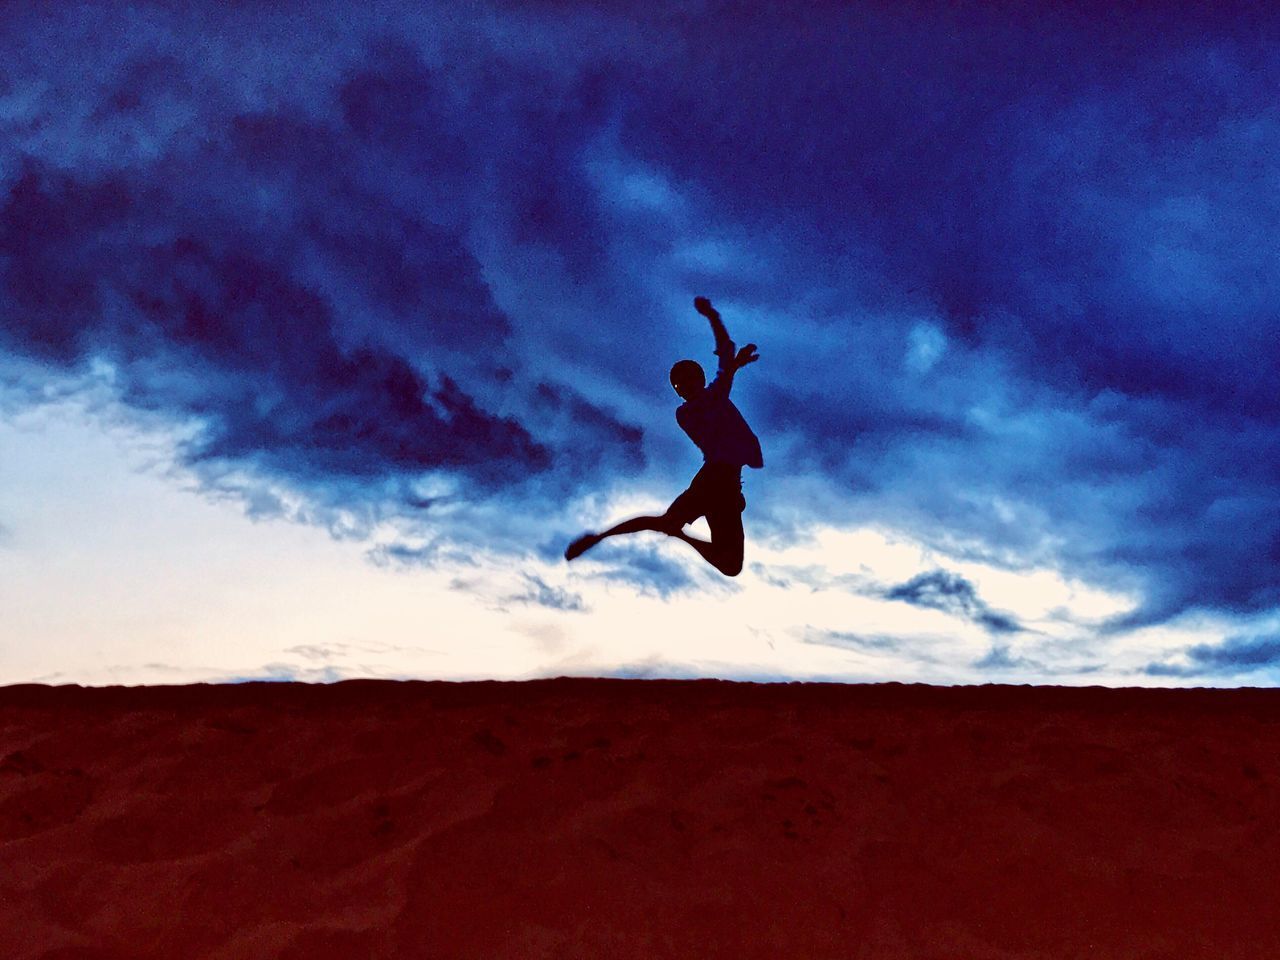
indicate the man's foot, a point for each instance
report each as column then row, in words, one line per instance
column 581, row 545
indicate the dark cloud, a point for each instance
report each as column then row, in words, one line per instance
column 539, row 593
column 231, row 338
column 319, row 329
column 935, row 589
column 1245, row 653
column 1235, row 655
column 951, row 593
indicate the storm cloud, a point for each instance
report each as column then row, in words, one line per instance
column 1012, row 272
column 1235, row 655
column 259, row 276
column 951, row 593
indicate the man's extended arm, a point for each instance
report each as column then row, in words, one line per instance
column 730, row 362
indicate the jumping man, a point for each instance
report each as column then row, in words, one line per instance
column 712, row 422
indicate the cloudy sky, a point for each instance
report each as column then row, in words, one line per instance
column 324, row 328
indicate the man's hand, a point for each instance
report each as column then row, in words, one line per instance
column 724, row 345
column 704, row 307
column 746, row 355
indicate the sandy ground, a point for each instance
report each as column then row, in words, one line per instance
column 637, row 819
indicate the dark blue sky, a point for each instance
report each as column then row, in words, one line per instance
column 1012, row 268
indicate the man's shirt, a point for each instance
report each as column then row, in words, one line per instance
column 716, row 426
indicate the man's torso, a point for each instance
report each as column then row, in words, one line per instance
column 719, row 430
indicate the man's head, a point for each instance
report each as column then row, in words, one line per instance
column 688, row 379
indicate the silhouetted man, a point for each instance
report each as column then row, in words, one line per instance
column 712, row 422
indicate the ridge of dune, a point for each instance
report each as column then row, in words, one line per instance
column 584, row 817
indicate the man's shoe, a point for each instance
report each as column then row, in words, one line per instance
column 581, row 545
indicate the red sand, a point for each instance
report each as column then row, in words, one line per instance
column 637, row 819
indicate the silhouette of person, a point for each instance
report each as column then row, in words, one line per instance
column 718, row 429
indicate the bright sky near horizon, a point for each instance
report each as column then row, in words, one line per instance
column 322, row 332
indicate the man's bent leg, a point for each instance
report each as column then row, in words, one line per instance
column 724, row 550
column 727, row 536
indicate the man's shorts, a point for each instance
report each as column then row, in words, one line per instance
column 715, row 489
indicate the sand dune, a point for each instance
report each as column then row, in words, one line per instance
column 637, row 819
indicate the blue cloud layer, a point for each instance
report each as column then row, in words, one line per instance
column 1012, row 271
column 1235, row 655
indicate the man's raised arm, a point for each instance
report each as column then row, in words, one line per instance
column 724, row 346
column 729, row 362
